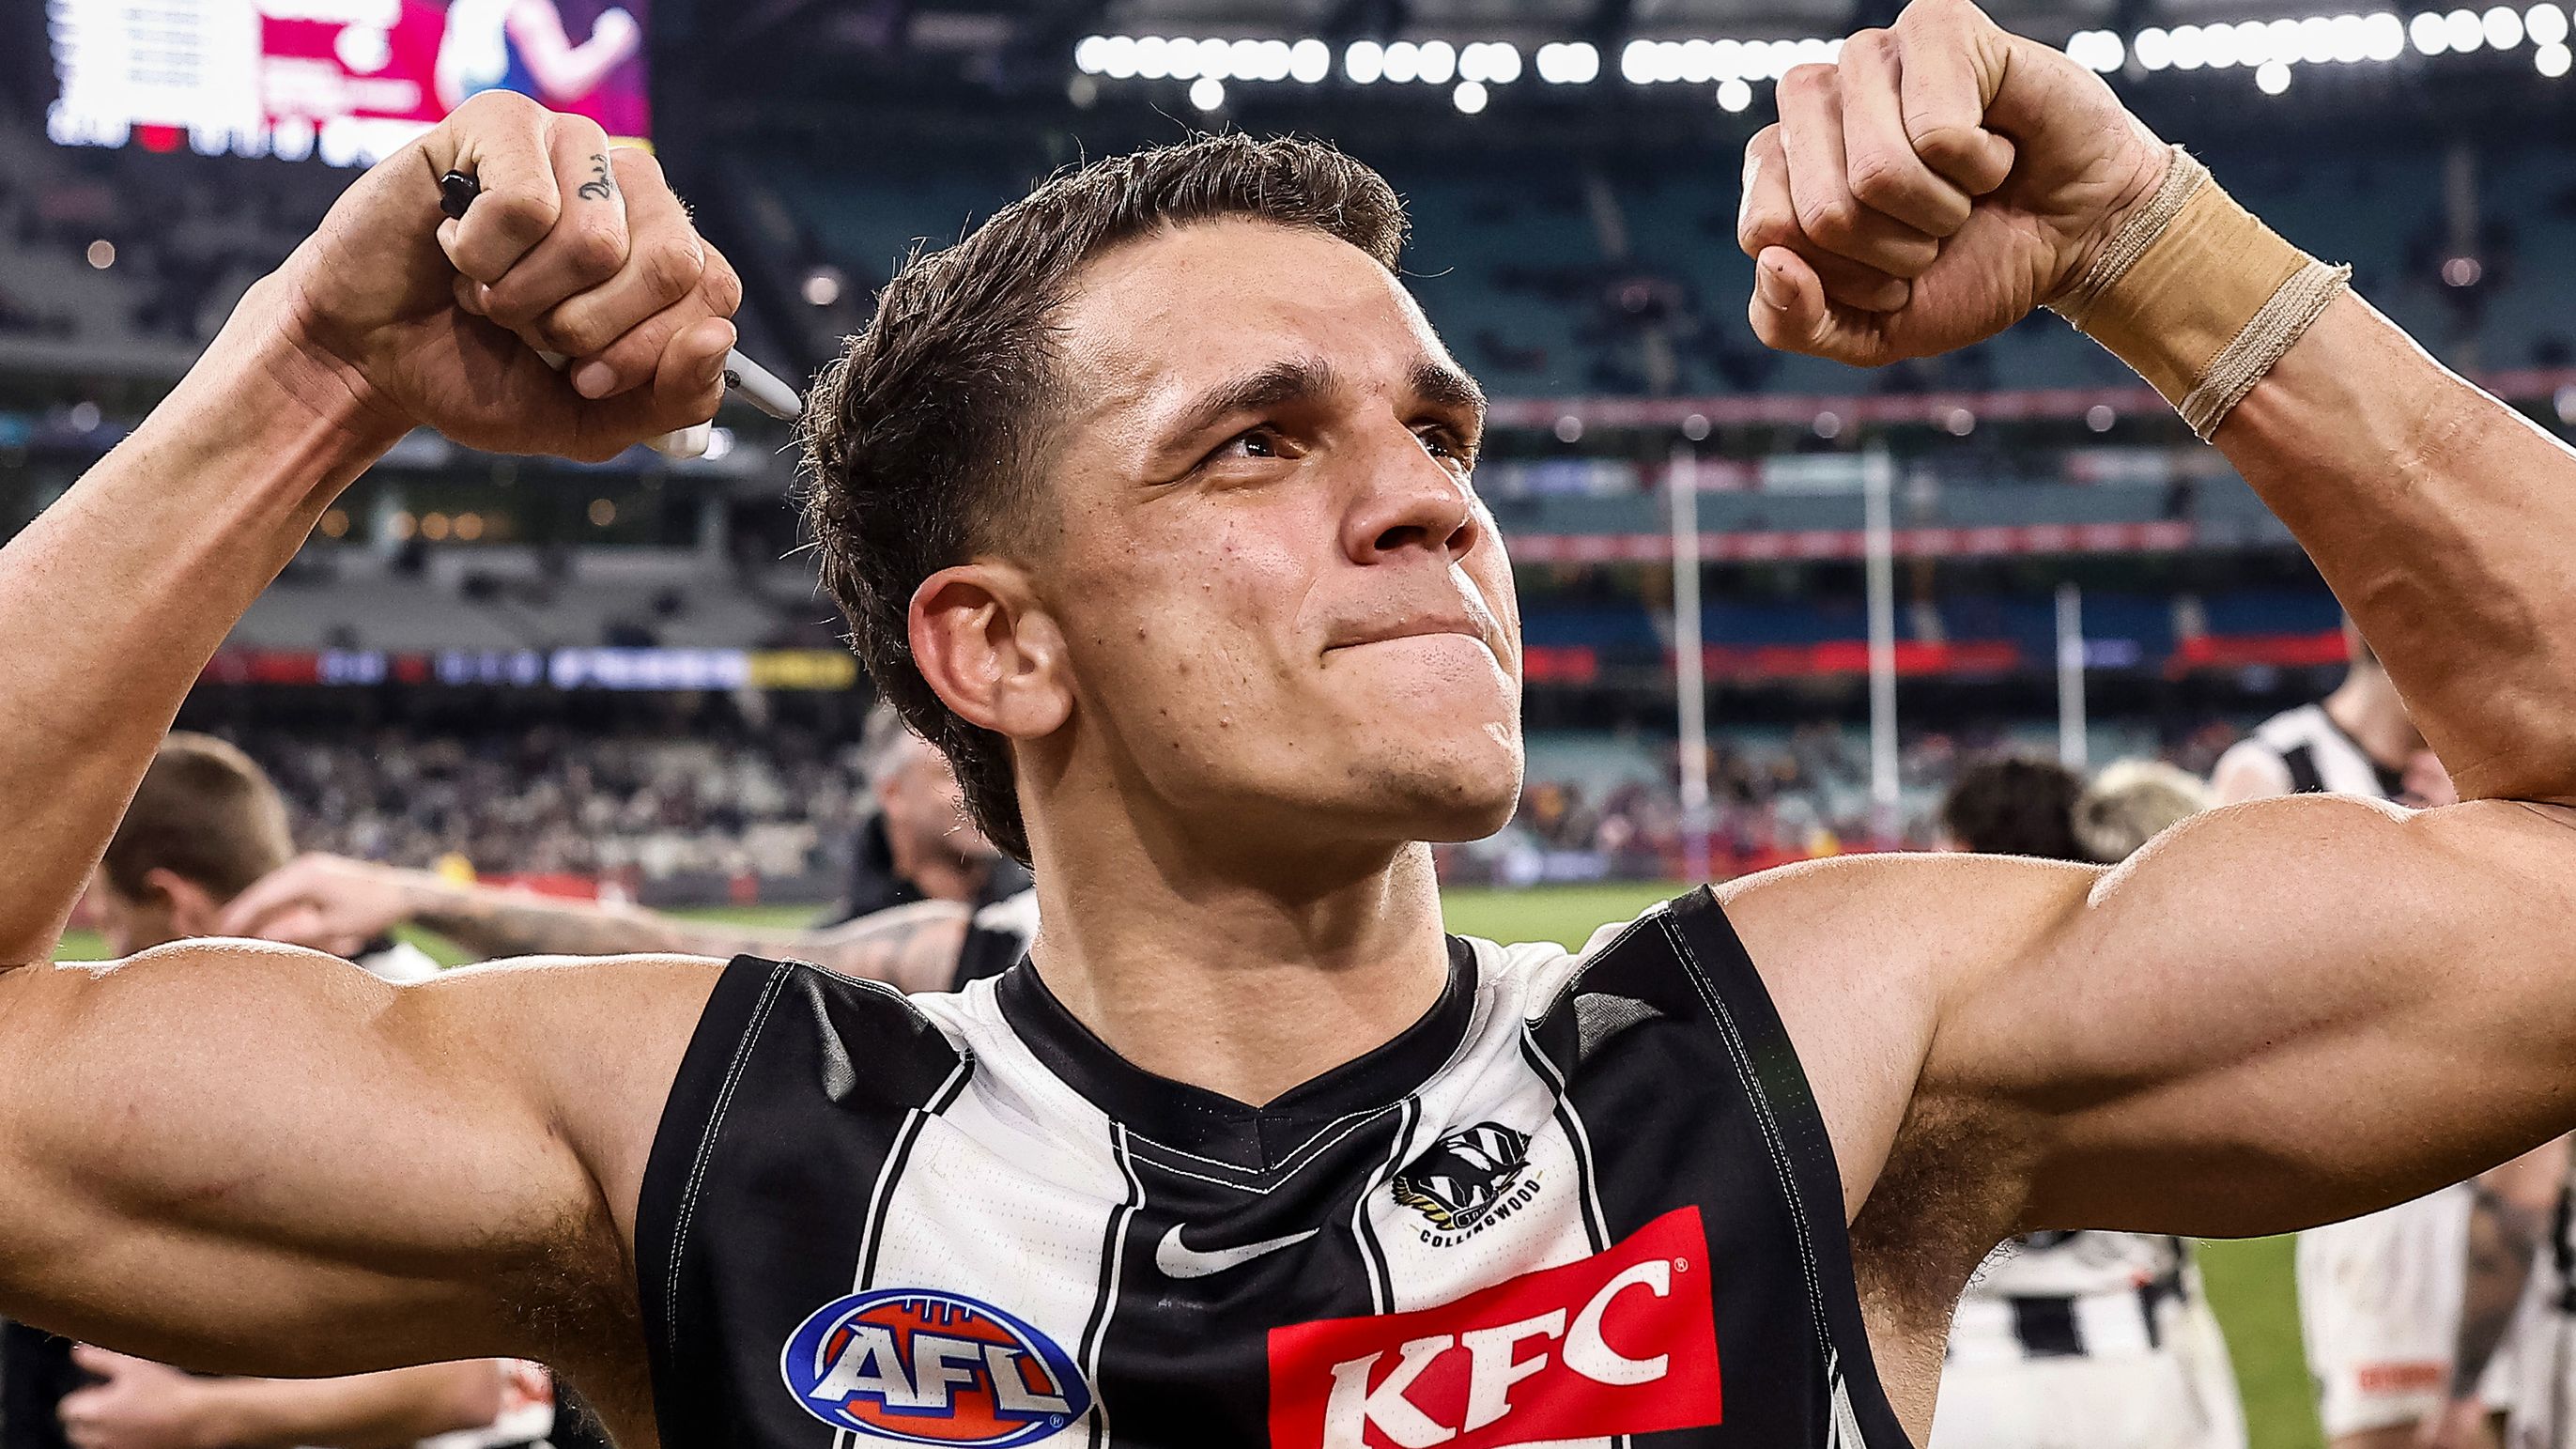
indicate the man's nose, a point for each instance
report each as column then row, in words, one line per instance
column 1411, row 501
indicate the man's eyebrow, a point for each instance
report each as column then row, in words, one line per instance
column 1289, row 380
column 1441, row 385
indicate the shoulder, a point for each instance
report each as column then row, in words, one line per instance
column 1862, row 955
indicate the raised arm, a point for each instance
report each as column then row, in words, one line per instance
column 139, row 1404
column 2287, row 1011
column 331, row 903
column 259, row 1159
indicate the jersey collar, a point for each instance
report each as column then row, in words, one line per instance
column 1212, row 1124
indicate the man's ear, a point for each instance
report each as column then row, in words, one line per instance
column 189, row 908
column 990, row 652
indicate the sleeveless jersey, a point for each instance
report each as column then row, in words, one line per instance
column 1585, row 1201
column 2318, row 756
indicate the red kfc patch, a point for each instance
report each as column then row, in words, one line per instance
column 1623, row 1342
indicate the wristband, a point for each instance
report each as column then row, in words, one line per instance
column 2197, row 295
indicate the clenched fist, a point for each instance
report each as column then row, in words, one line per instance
column 572, row 248
column 1931, row 186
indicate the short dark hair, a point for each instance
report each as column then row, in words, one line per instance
column 2015, row 806
column 204, row 812
column 921, row 440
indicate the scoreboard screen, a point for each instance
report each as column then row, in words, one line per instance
column 345, row 80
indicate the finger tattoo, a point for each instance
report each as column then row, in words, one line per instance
column 603, row 184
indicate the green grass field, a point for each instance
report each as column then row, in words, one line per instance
column 2249, row 1282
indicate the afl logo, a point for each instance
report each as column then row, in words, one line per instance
column 920, row 1367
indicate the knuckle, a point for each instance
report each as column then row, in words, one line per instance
column 575, row 332
column 671, row 266
column 596, row 251
column 635, row 164
column 522, row 216
column 1875, row 43
column 1811, row 81
column 1833, row 221
column 723, row 287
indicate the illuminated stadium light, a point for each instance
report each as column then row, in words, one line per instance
column 1958, row 424
column 2272, row 77
column 2386, row 35
column 1207, row 93
column 2503, row 27
column 822, row 286
column 1363, row 61
column 1181, row 58
column 1469, row 97
column 1437, row 61
column 1403, row 61
column 2153, row 48
column 1569, row 429
column 2429, row 35
column 2466, row 31
column 1637, row 64
column 1118, row 57
column 1695, row 427
column 2189, row 51
column 1830, row 425
column 1153, row 57
column 101, row 254
column 2545, row 24
column 2552, row 59
column 2100, row 417
column 1090, row 54
column 1309, row 61
column 1733, row 94
column 2218, row 46
column 1569, row 63
column 2100, row 51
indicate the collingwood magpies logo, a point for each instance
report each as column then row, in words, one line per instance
column 1469, row 1180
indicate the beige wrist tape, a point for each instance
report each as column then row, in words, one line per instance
column 2198, row 296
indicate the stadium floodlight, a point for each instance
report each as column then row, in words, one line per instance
column 1090, row 54
column 2429, row 35
column 2384, row 34
column 1153, row 57
column 1242, row 60
column 2552, row 59
column 1726, row 59
column 1469, row 97
column 2272, row 77
column 2546, row 24
column 1733, row 95
column 2189, row 51
column 1309, row 61
column 1502, row 63
column 1695, row 64
column 2100, row 417
column 1207, row 93
column 2316, row 41
column 1181, row 58
column 1118, row 57
column 2466, row 31
column 2503, row 27
column 2348, row 37
column 2099, row 51
column 1403, row 61
column 2218, row 47
column 1436, row 62
column 1637, row 62
column 1364, row 61
column 2153, row 48
column 1569, row 63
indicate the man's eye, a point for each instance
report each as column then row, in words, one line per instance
column 1442, row 444
column 1258, row 442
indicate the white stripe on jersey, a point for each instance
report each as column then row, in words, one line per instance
column 2341, row 766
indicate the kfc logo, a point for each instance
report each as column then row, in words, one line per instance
column 1623, row 1342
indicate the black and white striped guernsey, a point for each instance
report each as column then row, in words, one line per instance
column 1587, row 1200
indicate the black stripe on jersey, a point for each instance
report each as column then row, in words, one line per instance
column 2301, row 762
column 882, row 1202
column 726, row 1030
column 1596, row 1233
column 1113, row 1253
column 2046, row 1327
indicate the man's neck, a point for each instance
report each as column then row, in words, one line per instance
column 2366, row 707
column 1244, row 987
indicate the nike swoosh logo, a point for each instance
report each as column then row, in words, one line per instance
column 1178, row 1260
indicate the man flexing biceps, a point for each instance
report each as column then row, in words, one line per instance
column 1151, row 503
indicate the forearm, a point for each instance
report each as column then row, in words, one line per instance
column 116, row 596
column 369, row 1411
column 2437, row 514
column 914, row 946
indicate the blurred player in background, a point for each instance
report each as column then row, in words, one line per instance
column 931, row 904
column 2408, row 1312
column 2543, row 1411
column 2080, row 1340
column 205, row 823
